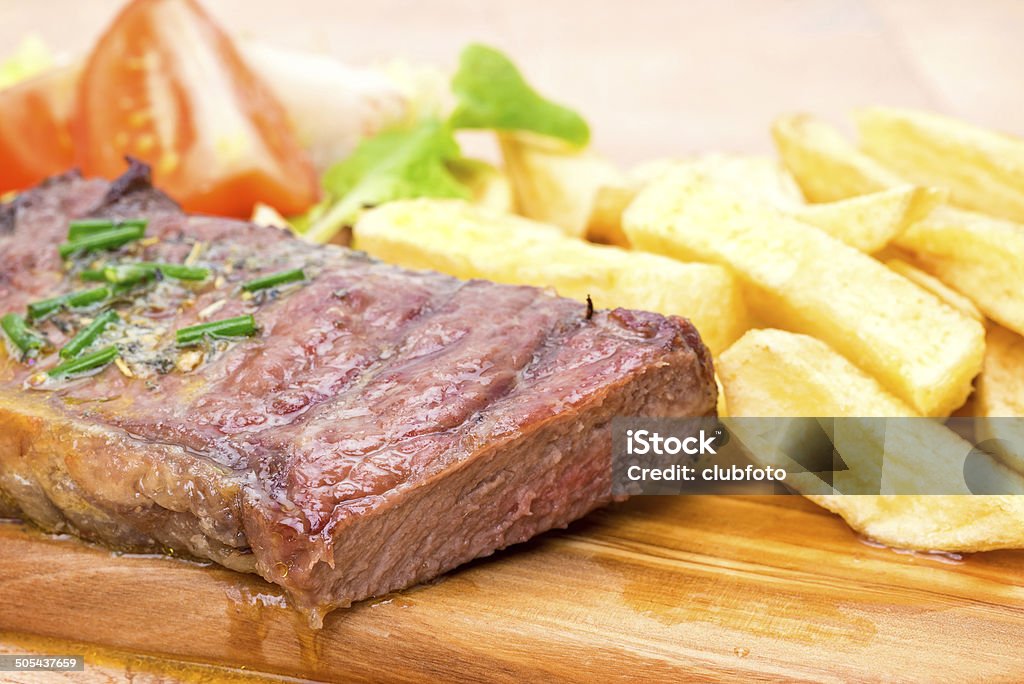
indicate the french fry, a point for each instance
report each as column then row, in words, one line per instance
column 870, row 222
column 952, row 523
column 611, row 200
column 1001, row 385
column 470, row 242
column 778, row 374
column 799, row 278
column 936, row 287
column 554, row 182
column 605, row 223
column 760, row 178
column 1000, row 395
column 983, row 169
column 763, row 179
column 827, row 167
column 759, row 374
column 769, row 373
column 980, row 256
column 977, row 255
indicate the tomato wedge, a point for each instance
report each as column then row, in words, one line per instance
column 34, row 137
column 166, row 85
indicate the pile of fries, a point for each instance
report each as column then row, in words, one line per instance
column 884, row 278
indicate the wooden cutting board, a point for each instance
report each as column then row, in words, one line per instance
column 667, row 588
column 664, row 588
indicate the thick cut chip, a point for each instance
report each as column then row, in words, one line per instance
column 760, row 178
column 778, row 374
column 936, row 287
column 1001, row 385
column 798, row 278
column 829, row 168
column 554, row 182
column 983, row 169
column 870, row 222
column 611, row 200
column 825, row 164
column 605, row 223
column 980, row 256
column 469, row 242
column 1000, row 396
column 770, row 372
column 977, row 255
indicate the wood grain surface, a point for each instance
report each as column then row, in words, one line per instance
column 667, row 588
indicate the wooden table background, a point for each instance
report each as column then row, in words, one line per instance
column 705, row 587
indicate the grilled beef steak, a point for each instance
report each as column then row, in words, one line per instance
column 383, row 426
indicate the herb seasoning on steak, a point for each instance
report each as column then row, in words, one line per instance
column 382, row 427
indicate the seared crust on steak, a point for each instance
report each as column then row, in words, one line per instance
column 384, row 427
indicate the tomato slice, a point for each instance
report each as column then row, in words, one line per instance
column 34, row 137
column 166, row 85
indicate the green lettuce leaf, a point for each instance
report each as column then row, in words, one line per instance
column 396, row 164
column 492, row 93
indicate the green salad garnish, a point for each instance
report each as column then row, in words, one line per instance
column 397, row 164
column 492, row 93
column 417, row 160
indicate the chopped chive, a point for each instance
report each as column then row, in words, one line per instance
column 87, row 335
column 108, row 239
column 76, row 300
column 240, row 326
column 127, row 274
column 293, row 276
column 139, row 272
column 82, row 227
column 41, row 309
column 178, row 271
column 21, row 337
column 80, row 300
column 93, row 275
column 118, row 289
column 100, row 359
